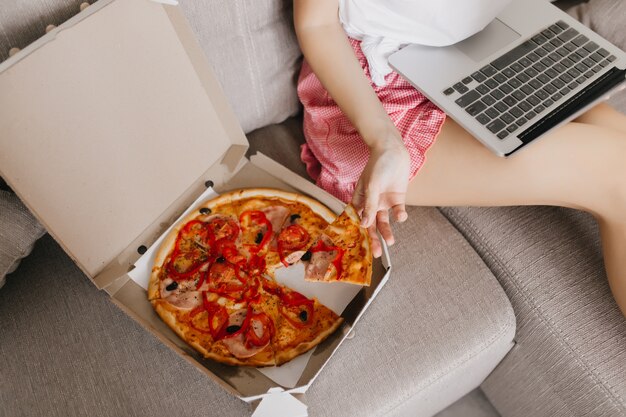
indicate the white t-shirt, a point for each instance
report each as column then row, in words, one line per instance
column 384, row 26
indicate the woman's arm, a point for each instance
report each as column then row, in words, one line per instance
column 383, row 184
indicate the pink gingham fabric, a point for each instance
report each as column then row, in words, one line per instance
column 334, row 153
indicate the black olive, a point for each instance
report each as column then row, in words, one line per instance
column 220, row 260
column 232, row 329
column 306, row 256
column 294, row 217
column 259, row 238
column 172, row 286
column 303, row 315
column 205, row 210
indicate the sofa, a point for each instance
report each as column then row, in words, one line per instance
column 505, row 310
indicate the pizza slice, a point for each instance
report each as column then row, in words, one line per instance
column 342, row 252
column 223, row 330
column 300, row 323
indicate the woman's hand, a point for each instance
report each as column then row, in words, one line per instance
column 382, row 186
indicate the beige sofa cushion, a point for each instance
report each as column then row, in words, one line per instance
column 254, row 52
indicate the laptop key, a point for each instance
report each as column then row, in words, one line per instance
column 461, row 88
column 479, row 76
column 567, row 63
column 475, row 108
column 530, row 115
column 467, row 99
column 559, row 68
column 573, row 72
column 581, row 67
column 591, row 46
column 507, row 118
column 511, row 128
column 503, row 134
column 533, row 100
column 510, row 100
column 574, row 58
column 547, row 33
column 597, row 68
column 514, row 83
column 556, row 29
column 539, row 109
column 582, row 53
column 501, row 107
column 483, row 119
column 562, row 24
column 551, row 72
column 563, row 51
column 541, row 95
column 519, row 95
column 544, row 78
column 527, row 89
column 517, row 67
column 596, row 57
column 539, row 67
column 525, row 105
column 491, row 83
column 531, row 72
column 513, row 55
column 564, row 90
column 448, row 91
column 572, row 85
column 535, row 83
column 604, row 63
column 556, row 97
column 466, row 80
column 492, row 112
column 566, row 78
column 523, row 78
column 539, row 39
column 569, row 34
column 581, row 79
column 508, row 72
column 603, row 52
column 488, row 70
column 556, row 42
column 570, row 47
column 532, row 57
column 521, row 121
column 488, row 100
column 499, row 77
column 548, row 103
column 588, row 74
column 548, row 47
column 497, row 94
column 516, row 112
column 580, row 40
column 506, row 89
column 550, row 89
column 558, row 83
column 524, row 62
column 611, row 58
column 496, row 126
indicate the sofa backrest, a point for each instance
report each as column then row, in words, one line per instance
column 250, row 44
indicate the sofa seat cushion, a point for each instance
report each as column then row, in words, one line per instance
column 434, row 333
column 569, row 359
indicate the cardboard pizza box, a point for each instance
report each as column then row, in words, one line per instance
column 111, row 126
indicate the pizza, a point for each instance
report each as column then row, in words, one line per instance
column 213, row 277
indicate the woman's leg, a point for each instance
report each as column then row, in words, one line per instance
column 605, row 116
column 578, row 165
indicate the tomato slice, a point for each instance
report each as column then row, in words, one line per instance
column 225, row 279
column 223, row 228
column 260, row 330
column 297, row 309
column 293, row 237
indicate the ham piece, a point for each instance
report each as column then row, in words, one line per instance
column 320, row 262
column 237, row 344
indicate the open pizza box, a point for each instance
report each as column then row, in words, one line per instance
column 111, row 126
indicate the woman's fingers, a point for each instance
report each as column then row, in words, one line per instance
column 399, row 213
column 377, row 248
column 382, row 224
column 370, row 207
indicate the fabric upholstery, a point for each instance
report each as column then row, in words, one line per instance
column 569, row 359
column 253, row 50
column 437, row 328
column 18, row 232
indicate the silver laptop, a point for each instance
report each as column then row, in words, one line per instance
column 530, row 70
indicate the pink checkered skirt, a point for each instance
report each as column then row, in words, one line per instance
column 334, row 153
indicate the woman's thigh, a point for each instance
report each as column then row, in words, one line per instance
column 577, row 165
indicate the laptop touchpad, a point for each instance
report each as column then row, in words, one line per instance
column 495, row 36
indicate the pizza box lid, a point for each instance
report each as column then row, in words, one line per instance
column 107, row 122
column 110, row 128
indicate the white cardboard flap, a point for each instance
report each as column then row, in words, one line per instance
column 106, row 121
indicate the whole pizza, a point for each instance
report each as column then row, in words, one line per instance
column 213, row 277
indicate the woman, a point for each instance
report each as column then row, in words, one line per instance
column 368, row 131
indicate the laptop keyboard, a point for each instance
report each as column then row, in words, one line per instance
column 532, row 77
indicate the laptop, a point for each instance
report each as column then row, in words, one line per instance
column 533, row 68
